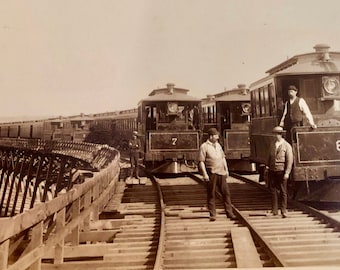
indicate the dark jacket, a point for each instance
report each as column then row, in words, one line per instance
column 135, row 145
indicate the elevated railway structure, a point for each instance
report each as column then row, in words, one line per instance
column 91, row 220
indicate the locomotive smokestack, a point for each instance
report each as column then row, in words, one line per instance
column 242, row 87
column 323, row 51
column 170, row 87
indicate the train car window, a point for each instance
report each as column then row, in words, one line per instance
column 272, row 100
column 310, row 93
column 211, row 114
column 265, row 101
column 257, row 103
column 262, row 102
column 236, row 113
column 252, row 104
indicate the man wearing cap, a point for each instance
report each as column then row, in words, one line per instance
column 214, row 168
column 134, row 146
column 280, row 162
column 295, row 109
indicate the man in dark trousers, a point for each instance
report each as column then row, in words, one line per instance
column 214, row 168
column 134, row 146
column 280, row 164
column 295, row 109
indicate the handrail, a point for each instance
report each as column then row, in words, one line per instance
column 96, row 191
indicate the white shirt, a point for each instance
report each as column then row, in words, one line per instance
column 303, row 108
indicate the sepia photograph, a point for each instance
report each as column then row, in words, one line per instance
column 169, row 134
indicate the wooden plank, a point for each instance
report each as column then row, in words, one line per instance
column 92, row 250
column 59, row 247
column 244, row 248
column 4, row 251
column 95, row 236
column 36, row 241
column 75, row 213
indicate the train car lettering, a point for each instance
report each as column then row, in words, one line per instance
column 337, row 143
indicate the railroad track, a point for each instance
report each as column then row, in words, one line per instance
column 305, row 238
column 164, row 224
column 191, row 240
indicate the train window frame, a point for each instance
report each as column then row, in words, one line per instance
column 257, row 103
column 262, row 103
column 272, row 100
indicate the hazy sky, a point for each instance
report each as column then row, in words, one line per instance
column 64, row 57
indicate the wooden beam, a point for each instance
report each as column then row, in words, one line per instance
column 4, row 249
column 243, row 244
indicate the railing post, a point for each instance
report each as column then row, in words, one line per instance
column 95, row 195
column 36, row 241
column 59, row 247
column 4, row 249
column 87, row 204
column 75, row 214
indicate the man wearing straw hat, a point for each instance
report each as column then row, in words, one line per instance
column 280, row 164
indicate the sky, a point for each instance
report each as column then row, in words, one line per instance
column 66, row 57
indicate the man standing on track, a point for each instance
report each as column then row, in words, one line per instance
column 214, row 167
column 134, row 146
column 280, row 164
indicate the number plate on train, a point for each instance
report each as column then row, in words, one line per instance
column 173, row 141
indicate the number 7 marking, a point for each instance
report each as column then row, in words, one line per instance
column 173, row 140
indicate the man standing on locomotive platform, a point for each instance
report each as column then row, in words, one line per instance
column 295, row 109
column 214, row 168
column 280, row 163
column 134, row 146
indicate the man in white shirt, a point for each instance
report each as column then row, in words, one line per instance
column 295, row 109
column 214, row 168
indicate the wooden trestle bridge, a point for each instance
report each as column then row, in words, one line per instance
column 50, row 191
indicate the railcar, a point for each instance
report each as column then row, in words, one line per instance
column 72, row 128
column 119, row 124
column 229, row 112
column 316, row 169
column 169, row 122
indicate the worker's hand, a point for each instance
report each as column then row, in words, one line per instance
column 206, row 177
column 286, row 176
column 313, row 126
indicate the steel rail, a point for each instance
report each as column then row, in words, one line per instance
column 274, row 255
column 161, row 240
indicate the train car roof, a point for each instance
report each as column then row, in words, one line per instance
column 237, row 94
column 169, row 94
column 322, row 61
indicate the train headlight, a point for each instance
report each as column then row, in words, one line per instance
column 246, row 108
column 172, row 107
column 330, row 85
